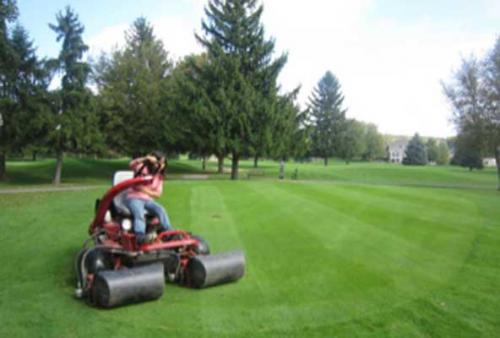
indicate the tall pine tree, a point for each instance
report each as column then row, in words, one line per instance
column 30, row 92
column 201, row 120
column 290, row 131
column 416, row 152
column 328, row 117
column 244, row 74
column 8, row 13
column 76, row 128
column 24, row 104
column 135, row 94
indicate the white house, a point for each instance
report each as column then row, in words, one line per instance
column 396, row 150
column 489, row 162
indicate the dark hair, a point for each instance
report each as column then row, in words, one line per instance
column 158, row 154
column 154, row 167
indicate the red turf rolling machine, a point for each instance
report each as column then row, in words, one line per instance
column 113, row 270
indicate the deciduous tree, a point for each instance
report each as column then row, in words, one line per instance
column 432, row 149
column 374, row 143
column 474, row 95
column 443, row 156
column 352, row 140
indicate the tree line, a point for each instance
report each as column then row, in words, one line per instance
column 225, row 101
column 420, row 152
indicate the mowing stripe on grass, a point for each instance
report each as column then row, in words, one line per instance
column 323, row 260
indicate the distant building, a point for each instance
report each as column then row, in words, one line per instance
column 489, row 162
column 396, row 150
column 396, row 147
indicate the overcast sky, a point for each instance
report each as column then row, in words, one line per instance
column 389, row 55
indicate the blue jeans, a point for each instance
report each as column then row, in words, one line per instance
column 138, row 208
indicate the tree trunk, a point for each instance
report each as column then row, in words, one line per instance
column 326, row 161
column 34, row 155
column 204, row 163
column 234, row 166
column 2, row 167
column 59, row 163
column 256, row 161
column 220, row 164
column 497, row 158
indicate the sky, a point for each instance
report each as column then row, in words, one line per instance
column 390, row 56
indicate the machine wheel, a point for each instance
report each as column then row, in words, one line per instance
column 171, row 265
column 203, row 248
column 98, row 260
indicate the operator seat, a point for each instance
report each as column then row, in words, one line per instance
column 119, row 200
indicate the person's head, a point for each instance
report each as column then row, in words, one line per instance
column 160, row 156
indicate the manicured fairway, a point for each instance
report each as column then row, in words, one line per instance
column 76, row 171
column 323, row 259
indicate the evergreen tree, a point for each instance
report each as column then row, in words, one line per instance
column 328, row 116
column 8, row 13
column 415, row 153
column 201, row 120
column 30, row 92
column 135, row 101
column 76, row 128
column 432, row 150
column 243, row 89
column 23, row 82
column 290, row 131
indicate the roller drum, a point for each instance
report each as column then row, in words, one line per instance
column 129, row 285
column 210, row 270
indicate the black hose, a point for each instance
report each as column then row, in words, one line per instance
column 78, row 270
column 82, row 271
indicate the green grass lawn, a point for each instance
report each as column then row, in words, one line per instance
column 357, row 250
column 78, row 171
column 88, row 171
column 381, row 173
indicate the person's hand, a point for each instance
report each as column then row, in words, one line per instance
column 150, row 192
column 162, row 165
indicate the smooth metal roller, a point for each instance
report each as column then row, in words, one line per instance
column 128, row 285
column 210, row 270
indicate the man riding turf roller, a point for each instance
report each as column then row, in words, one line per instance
column 141, row 198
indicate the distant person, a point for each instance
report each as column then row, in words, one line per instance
column 141, row 198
